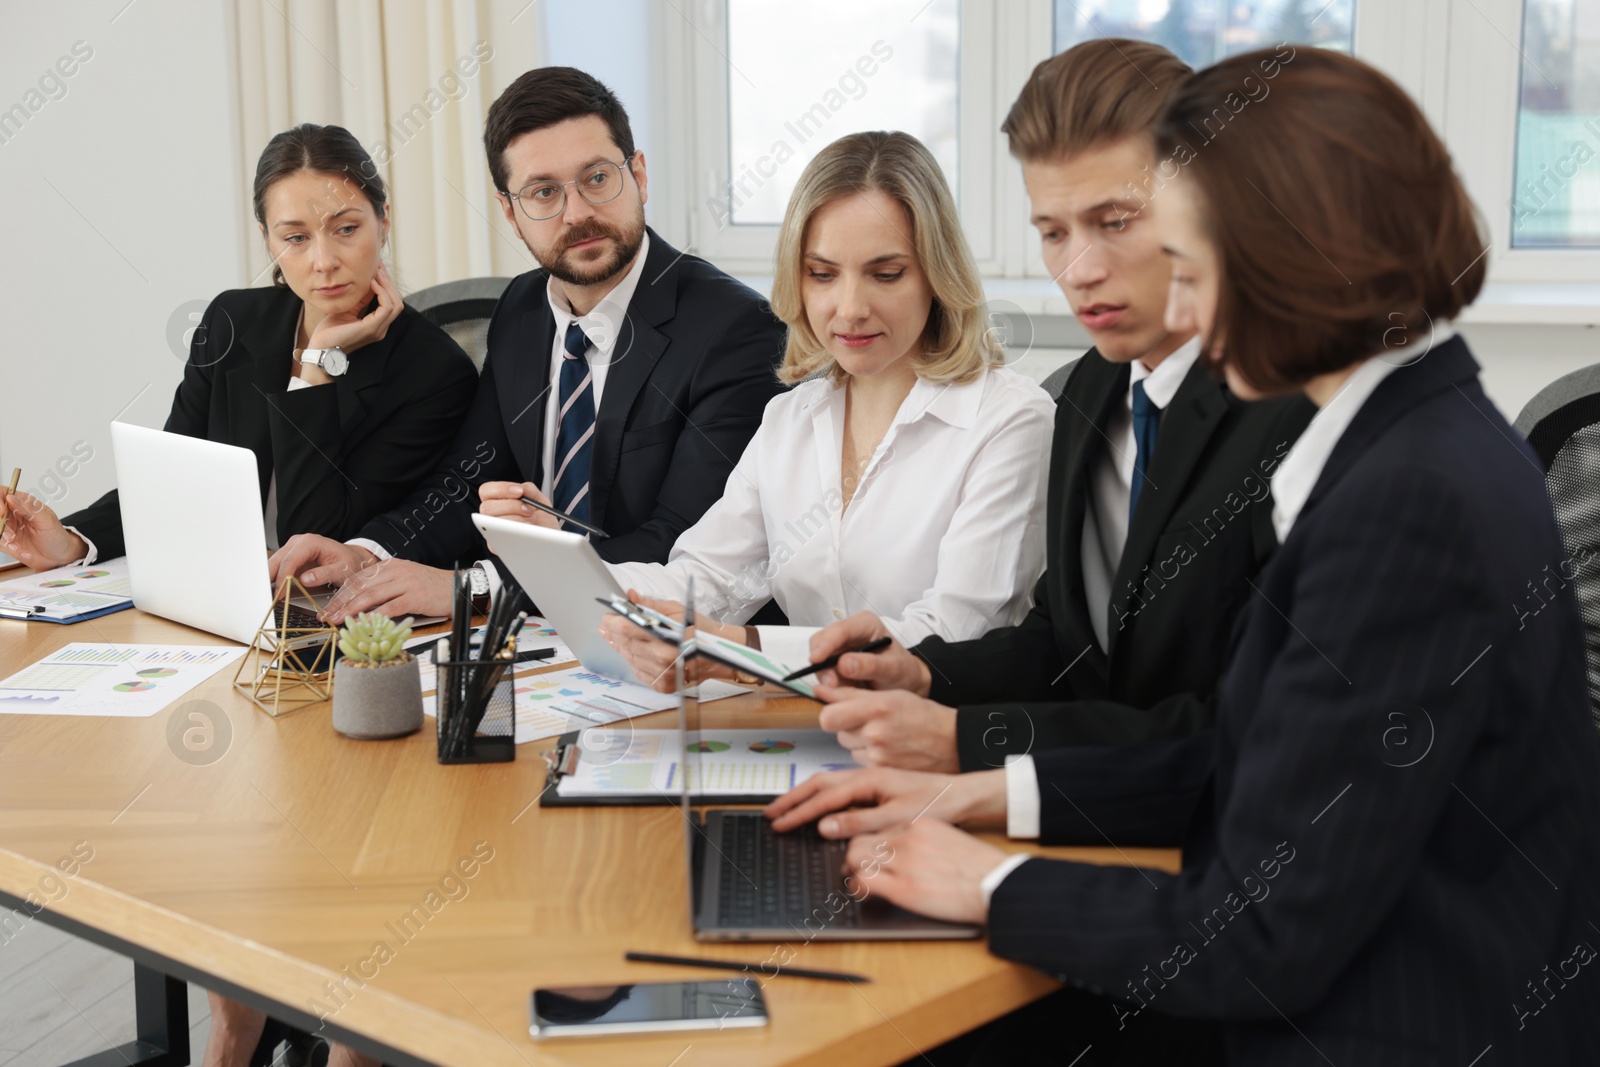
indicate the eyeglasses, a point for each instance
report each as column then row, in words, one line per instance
column 543, row 200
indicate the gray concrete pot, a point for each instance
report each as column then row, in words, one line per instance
column 371, row 703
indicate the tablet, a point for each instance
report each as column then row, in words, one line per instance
column 565, row 577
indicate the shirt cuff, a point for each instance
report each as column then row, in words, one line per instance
column 370, row 545
column 992, row 880
column 94, row 553
column 1022, row 797
column 787, row 644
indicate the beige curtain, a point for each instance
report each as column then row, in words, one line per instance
column 412, row 81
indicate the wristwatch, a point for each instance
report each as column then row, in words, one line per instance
column 480, row 588
column 333, row 361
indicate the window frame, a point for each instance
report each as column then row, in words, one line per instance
column 1456, row 57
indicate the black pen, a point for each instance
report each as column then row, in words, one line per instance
column 833, row 661
column 563, row 516
column 754, row 968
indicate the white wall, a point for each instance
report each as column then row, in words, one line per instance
column 120, row 202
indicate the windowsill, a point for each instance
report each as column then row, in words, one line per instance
column 1500, row 304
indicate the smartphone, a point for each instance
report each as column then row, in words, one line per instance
column 649, row 1007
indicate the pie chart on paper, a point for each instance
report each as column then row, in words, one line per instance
column 133, row 687
column 708, row 746
column 768, row 747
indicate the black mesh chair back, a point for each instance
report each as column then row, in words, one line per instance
column 1562, row 423
column 462, row 310
column 1056, row 380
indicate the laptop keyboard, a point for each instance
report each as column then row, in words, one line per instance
column 773, row 879
column 300, row 618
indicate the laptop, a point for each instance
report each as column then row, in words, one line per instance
column 750, row 883
column 565, row 577
column 192, row 523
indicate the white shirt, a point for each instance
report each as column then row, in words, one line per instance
column 944, row 535
column 1291, row 488
column 269, row 518
column 1105, row 518
column 602, row 325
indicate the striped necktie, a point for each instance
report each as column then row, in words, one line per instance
column 575, row 432
column 1146, row 422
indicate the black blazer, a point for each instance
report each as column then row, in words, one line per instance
column 692, row 370
column 343, row 452
column 1201, row 532
column 1397, row 856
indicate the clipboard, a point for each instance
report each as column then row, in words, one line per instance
column 563, row 760
column 18, row 616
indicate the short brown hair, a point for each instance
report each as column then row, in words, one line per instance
column 957, row 344
column 1340, row 224
column 1091, row 95
column 543, row 97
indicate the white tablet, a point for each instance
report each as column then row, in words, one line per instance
column 566, row 579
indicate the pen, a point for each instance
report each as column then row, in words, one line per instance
column 729, row 965
column 833, row 661
column 16, row 476
column 564, row 517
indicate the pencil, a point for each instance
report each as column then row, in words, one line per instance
column 564, row 517
column 16, row 476
column 733, row 965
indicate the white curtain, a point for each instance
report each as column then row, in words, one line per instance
column 412, row 81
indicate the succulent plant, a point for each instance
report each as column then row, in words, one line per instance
column 374, row 638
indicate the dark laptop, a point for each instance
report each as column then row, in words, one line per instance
column 748, row 883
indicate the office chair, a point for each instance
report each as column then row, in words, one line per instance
column 1562, row 423
column 1056, row 380
column 462, row 310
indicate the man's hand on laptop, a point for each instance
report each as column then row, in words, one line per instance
column 317, row 560
column 925, row 866
column 892, row 668
column 891, row 729
column 395, row 587
column 34, row 534
column 503, row 500
column 873, row 799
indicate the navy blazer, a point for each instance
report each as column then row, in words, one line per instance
column 694, row 366
column 1396, row 853
column 343, row 452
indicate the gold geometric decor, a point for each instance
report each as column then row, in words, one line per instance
column 274, row 675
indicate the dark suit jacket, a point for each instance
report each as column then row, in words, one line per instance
column 692, row 370
column 1400, row 827
column 343, row 452
column 1201, row 532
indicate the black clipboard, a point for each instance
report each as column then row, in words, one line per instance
column 563, row 760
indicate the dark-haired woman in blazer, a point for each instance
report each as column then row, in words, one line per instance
column 344, row 394
column 1391, row 838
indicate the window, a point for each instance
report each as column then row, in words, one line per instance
column 797, row 81
column 1555, row 199
column 1201, row 32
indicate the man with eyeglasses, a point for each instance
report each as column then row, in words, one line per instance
column 622, row 382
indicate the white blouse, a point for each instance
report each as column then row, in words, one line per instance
column 943, row 535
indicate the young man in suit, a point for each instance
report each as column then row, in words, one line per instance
column 1156, row 521
column 623, row 378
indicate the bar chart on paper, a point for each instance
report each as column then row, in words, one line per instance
column 126, row 681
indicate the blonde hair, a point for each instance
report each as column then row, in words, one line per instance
column 956, row 344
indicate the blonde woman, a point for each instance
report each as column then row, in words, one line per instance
column 904, row 472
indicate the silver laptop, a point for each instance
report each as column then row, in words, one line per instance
column 750, row 883
column 196, row 543
column 565, row 577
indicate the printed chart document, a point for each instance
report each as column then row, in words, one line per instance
column 68, row 594
column 129, row 681
column 558, row 702
column 623, row 762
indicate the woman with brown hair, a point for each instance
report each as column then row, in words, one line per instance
column 1391, row 839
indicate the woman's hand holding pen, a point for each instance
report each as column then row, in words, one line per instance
column 504, row 500
column 652, row 659
column 35, row 535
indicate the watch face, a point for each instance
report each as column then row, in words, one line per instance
column 334, row 361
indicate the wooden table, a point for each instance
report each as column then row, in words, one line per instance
column 318, row 877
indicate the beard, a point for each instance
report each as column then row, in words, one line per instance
column 565, row 265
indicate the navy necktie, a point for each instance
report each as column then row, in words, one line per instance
column 1146, row 421
column 575, row 428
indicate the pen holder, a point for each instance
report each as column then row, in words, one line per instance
column 476, row 712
